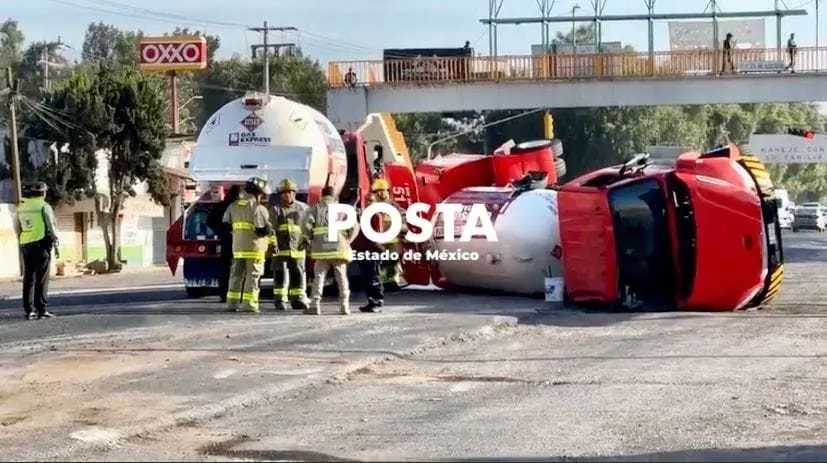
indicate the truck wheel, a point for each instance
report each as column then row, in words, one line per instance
column 194, row 293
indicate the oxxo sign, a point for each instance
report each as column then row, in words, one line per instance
column 177, row 53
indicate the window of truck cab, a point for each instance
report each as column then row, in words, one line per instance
column 195, row 226
column 643, row 241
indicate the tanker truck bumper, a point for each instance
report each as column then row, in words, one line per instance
column 202, row 276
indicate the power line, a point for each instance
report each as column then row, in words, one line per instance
column 124, row 9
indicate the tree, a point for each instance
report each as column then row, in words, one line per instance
column 31, row 67
column 11, row 42
column 292, row 75
column 119, row 113
column 11, row 45
column 104, row 42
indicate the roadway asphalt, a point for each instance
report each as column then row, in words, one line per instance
column 134, row 370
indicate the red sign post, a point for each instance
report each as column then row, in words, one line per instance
column 171, row 55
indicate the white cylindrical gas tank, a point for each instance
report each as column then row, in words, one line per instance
column 282, row 137
column 527, row 247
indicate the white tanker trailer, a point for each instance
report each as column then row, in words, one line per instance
column 265, row 136
column 527, row 247
column 270, row 137
column 512, row 184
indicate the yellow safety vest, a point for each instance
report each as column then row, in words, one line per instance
column 386, row 225
column 31, row 216
column 246, row 244
column 287, row 223
column 320, row 247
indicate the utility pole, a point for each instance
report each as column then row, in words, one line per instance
column 12, row 90
column 45, row 62
column 265, row 30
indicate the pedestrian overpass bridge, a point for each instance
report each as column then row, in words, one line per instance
column 571, row 81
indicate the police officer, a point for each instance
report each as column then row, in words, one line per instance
column 35, row 227
column 328, row 255
column 251, row 227
column 289, row 276
column 389, row 268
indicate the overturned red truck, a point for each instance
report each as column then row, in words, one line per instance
column 701, row 233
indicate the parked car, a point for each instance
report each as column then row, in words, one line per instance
column 810, row 216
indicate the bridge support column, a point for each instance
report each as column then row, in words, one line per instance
column 347, row 108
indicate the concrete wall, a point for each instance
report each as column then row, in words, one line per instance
column 347, row 107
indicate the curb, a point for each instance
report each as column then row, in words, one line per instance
column 267, row 395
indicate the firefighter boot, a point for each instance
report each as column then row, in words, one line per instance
column 373, row 306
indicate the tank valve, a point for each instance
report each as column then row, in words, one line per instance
column 494, row 258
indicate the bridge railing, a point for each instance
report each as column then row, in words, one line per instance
column 614, row 65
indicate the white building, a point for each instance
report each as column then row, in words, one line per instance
column 143, row 222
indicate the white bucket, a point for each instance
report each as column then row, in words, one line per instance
column 554, row 289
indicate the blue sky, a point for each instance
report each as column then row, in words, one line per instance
column 360, row 29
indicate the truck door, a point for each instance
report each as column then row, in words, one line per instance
column 404, row 192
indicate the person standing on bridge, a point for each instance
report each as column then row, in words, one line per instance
column 729, row 44
column 792, row 51
column 35, row 227
column 289, row 273
column 251, row 226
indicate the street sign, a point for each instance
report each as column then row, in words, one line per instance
column 175, row 53
column 788, row 149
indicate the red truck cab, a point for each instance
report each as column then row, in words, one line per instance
column 702, row 234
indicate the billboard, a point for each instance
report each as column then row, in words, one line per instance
column 419, row 64
column 174, row 53
column 694, row 35
column 788, row 149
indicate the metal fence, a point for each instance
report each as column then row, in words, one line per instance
column 615, row 65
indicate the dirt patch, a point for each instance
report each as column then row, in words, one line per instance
column 70, row 390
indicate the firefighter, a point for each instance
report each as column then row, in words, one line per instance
column 35, row 227
column 289, row 275
column 389, row 269
column 249, row 220
column 328, row 255
column 225, row 234
column 368, row 266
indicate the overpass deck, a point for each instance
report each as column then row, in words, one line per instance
column 622, row 78
column 567, row 67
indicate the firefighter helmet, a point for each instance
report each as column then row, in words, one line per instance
column 380, row 184
column 287, row 185
column 257, row 185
